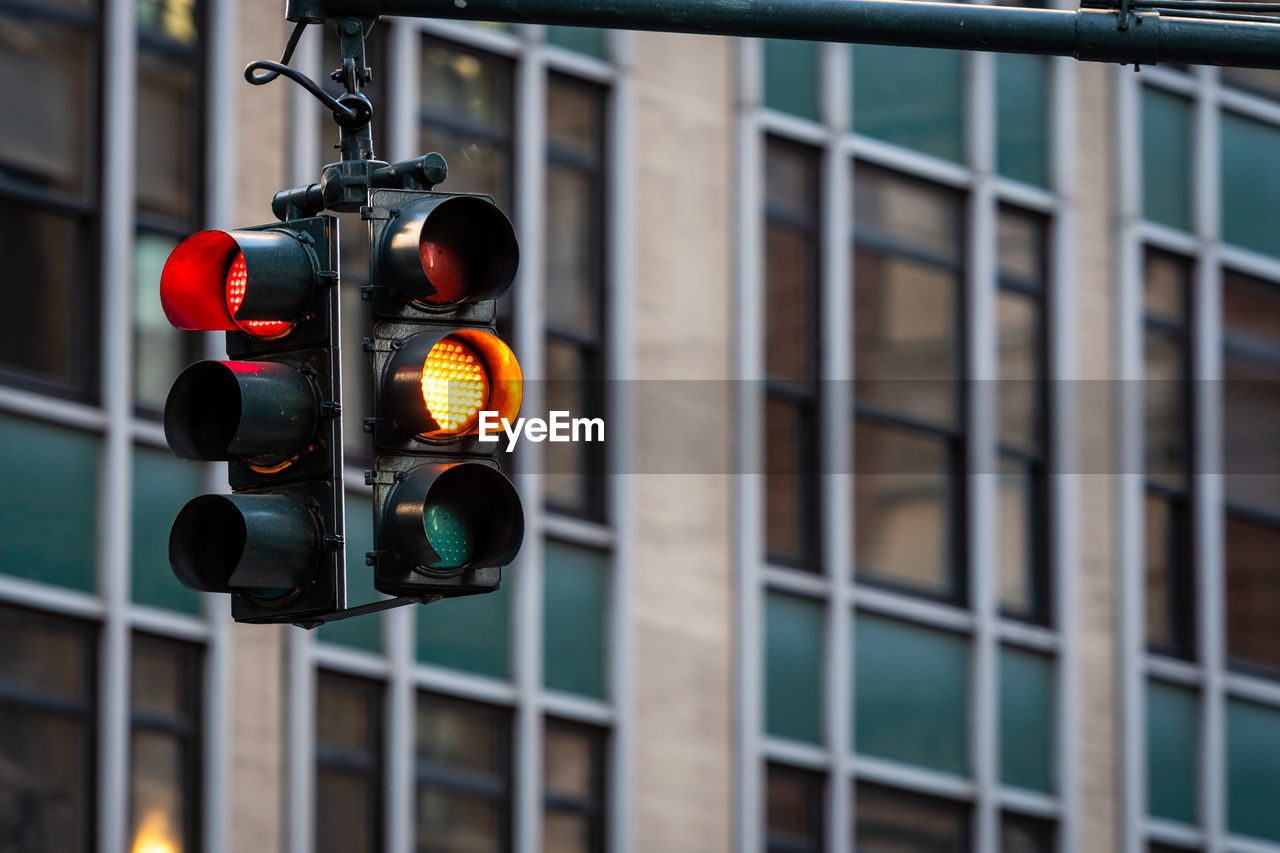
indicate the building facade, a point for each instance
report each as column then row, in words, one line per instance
column 938, row 506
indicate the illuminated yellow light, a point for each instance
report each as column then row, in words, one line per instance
column 455, row 386
column 154, row 835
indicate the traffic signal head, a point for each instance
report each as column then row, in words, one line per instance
column 444, row 251
column 445, row 517
column 271, row 412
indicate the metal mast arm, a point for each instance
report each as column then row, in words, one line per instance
column 1091, row 34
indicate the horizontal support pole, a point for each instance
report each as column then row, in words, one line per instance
column 1087, row 34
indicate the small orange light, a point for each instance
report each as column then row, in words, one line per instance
column 455, row 387
column 237, row 285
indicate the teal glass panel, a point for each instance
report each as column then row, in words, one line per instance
column 587, row 40
column 1022, row 118
column 471, row 633
column 48, row 508
column 791, row 81
column 1026, row 720
column 1253, row 770
column 1172, row 763
column 911, row 96
column 793, row 667
column 1166, row 159
column 1250, row 184
column 162, row 485
column 360, row 632
column 912, row 692
column 574, row 604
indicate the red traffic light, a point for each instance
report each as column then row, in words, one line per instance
column 257, row 282
column 437, row 383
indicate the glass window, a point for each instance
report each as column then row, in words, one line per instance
column 892, row 821
column 791, row 346
column 1166, row 392
column 1023, row 415
column 1166, row 159
column 46, row 733
column 913, row 97
column 1251, row 408
column 471, row 633
column 912, row 693
column 1173, row 766
column 1027, row 719
column 463, row 777
column 1253, row 769
column 793, row 667
column 48, row 153
column 1021, row 834
column 48, row 333
column 348, row 807
column 1249, row 187
column 793, row 811
column 908, row 268
column 575, row 619
column 466, row 114
column 791, row 80
column 162, row 485
column 575, row 288
column 574, row 773
column 48, row 530
column 1022, row 117
column 165, row 762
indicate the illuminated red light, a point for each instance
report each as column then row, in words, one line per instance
column 237, row 285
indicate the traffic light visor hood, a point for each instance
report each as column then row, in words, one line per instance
column 265, row 545
column 449, row 251
column 257, row 282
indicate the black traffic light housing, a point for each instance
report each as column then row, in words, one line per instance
column 446, row 519
column 271, row 412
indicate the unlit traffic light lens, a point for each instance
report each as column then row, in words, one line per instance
column 449, row 534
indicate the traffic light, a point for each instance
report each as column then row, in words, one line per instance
column 446, row 519
column 271, row 412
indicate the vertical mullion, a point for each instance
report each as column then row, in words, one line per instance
column 530, row 333
column 619, row 363
column 1063, row 460
column 980, row 441
column 748, row 361
column 119, row 100
column 1208, row 498
column 399, row 624
column 1130, row 548
column 835, row 298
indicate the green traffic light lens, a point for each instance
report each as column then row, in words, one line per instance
column 450, row 534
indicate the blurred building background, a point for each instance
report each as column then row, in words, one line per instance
column 1044, row 616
